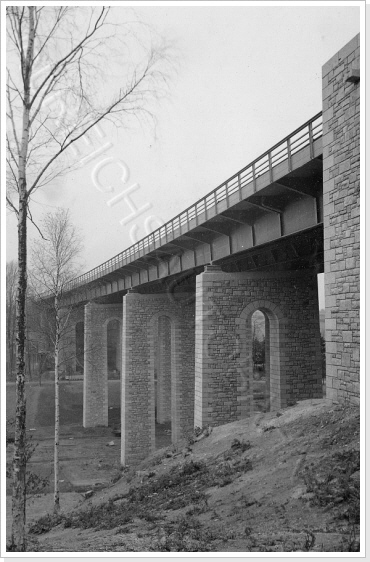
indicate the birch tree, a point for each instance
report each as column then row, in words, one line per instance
column 54, row 264
column 57, row 91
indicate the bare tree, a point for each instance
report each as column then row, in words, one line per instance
column 54, row 264
column 57, row 92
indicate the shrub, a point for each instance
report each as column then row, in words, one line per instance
column 330, row 482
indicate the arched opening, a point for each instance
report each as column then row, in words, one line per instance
column 260, row 391
column 113, row 350
column 113, row 366
column 162, row 381
column 321, row 293
column 261, row 386
column 80, row 347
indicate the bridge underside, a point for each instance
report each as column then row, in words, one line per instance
column 291, row 253
column 278, row 227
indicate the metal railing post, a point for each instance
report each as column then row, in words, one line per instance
column 270, row 167
column 310, row 138
column 289, row 156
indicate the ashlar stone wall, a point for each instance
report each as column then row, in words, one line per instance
column 225, row 303
column 142, row 318
column 341, row 164
column 95, row 395
column 162, row 353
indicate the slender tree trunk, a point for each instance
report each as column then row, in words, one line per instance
column 18, row 537
column 9, row 341
column 56, row 439
column 10, row 334
column 19, row 457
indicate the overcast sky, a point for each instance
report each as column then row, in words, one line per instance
column 247, row 76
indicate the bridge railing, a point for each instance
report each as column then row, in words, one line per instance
column 304, row 136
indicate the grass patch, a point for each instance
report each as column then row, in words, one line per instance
column 241, row 446
column 173, row 490
column 46, row 523
column 35, row 484
column 104, row 516
column 181, row 487
column 185, row 534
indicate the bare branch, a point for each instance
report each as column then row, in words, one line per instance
column 60, row 13
column 33, row 222
column 11, row 113
column 114, row 107
column 73, row 52
column 14, row 87
column 14, row 176
column 10, row 204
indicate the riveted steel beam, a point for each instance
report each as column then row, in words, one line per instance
column 293, row 189
column 236, row 217
column 259, row 202
column 217, row 228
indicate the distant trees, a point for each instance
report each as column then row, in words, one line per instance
column 323, row 356
column 35, row 357
column 38, row 357
column 55, row 262
column 258, row 350
column 258, row 337
column 11, row 313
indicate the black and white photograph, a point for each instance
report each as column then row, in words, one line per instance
column 181, row 247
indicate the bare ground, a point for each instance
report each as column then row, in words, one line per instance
column 276, row 482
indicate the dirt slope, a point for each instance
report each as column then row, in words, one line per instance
column 287, row 481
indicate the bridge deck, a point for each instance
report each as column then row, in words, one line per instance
column 274, row 197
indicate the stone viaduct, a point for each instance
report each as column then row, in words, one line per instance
column 182, row 298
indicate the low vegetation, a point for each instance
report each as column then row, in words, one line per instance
column 35, row 483
column 284, row 483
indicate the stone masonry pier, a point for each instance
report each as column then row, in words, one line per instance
column 142, row 315
column 97, row 317
column 223, row 365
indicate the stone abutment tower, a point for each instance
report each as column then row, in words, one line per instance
column 341, row 188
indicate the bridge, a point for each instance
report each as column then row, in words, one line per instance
column 269, row 213
column 182, row 298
